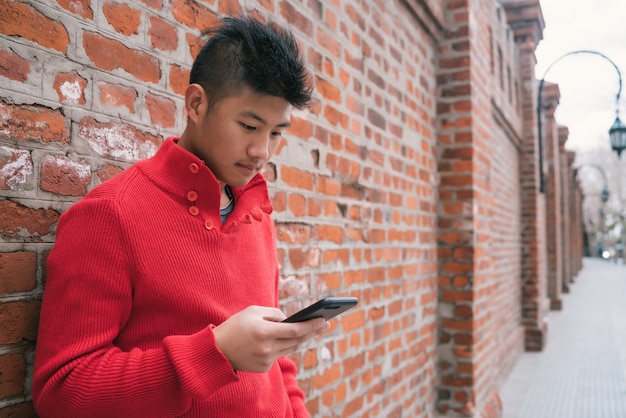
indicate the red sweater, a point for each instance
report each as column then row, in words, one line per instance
column 141, row 271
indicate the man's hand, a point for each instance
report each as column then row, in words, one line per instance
column 253, row 339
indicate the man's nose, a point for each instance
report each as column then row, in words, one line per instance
column 259, row 148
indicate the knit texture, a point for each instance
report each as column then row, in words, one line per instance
column 141, row 271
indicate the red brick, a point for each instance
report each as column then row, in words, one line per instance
column 70, row 87
column 296, row 19
column 301, row 127
column 162, row 35
column 328, row 233
column 79, row 7
column 328, row 91
column 117, row 95
column 19, row 321
column 352, row 321
column 63, row 176
column 24, row 122
column 293, row 233
column 328, row 42
column 17, row 270
column 40, row 28
column 297, row 178
column 195, row 44
column 328, row 376
column 109, row 54
column 21, row 222
column 12, row 66
column 155, row 4
column 118, row 141
column 229, row 7
column 122, row 17
column 15, row 168
column 179, row 79
column 192, row 14
column 162, row 111
column 297, row 204
column 12, row 376
column 19, row 410
column 107, row 172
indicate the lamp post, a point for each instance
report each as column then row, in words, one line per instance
column 617, row 132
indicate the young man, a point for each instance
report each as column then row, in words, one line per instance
column 162, row 289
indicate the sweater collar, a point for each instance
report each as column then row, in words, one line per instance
column 178, row 171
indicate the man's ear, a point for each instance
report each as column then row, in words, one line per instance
column 195, row 102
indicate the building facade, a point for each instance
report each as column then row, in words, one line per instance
column 412, row 183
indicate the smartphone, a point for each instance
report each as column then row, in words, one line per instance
column 325, row 308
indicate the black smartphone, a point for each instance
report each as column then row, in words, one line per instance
column 325, row 308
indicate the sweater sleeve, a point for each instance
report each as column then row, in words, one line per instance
column 79, row 371
column 296, row 396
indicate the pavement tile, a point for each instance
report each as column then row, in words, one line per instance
column 581, row 373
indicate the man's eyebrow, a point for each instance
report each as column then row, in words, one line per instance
column 250, row 114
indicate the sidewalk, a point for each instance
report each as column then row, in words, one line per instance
column 581, row 373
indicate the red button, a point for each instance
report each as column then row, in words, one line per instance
column 192, row 196
column 194, row 210
column 208, row 224
column 193, row 167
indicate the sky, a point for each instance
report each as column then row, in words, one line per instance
column 587, row 82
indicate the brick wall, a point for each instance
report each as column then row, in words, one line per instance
column 411, row 184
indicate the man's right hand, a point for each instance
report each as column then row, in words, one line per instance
column 254, row 338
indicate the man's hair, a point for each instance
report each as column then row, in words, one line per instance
column 243, row 52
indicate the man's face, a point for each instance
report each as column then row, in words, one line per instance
column 238, row 135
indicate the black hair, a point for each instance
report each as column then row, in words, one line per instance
column 243, row 52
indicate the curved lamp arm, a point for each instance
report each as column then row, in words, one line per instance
column 539, row 106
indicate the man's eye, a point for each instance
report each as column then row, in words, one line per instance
column 277, row 134
column 247, row 127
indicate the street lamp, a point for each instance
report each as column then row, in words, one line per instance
column 617, row 132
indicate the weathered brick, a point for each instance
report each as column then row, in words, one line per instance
column 70, row 87
column 40, row 28
column 293, row 233
column 123, row 142
column 79, row 7
column 21, row 222
column 12, row 66
column 109, row 54
column 63, row 176
column 117, row 95
column 16, row 166
column 26, row 122
column 17, row 270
